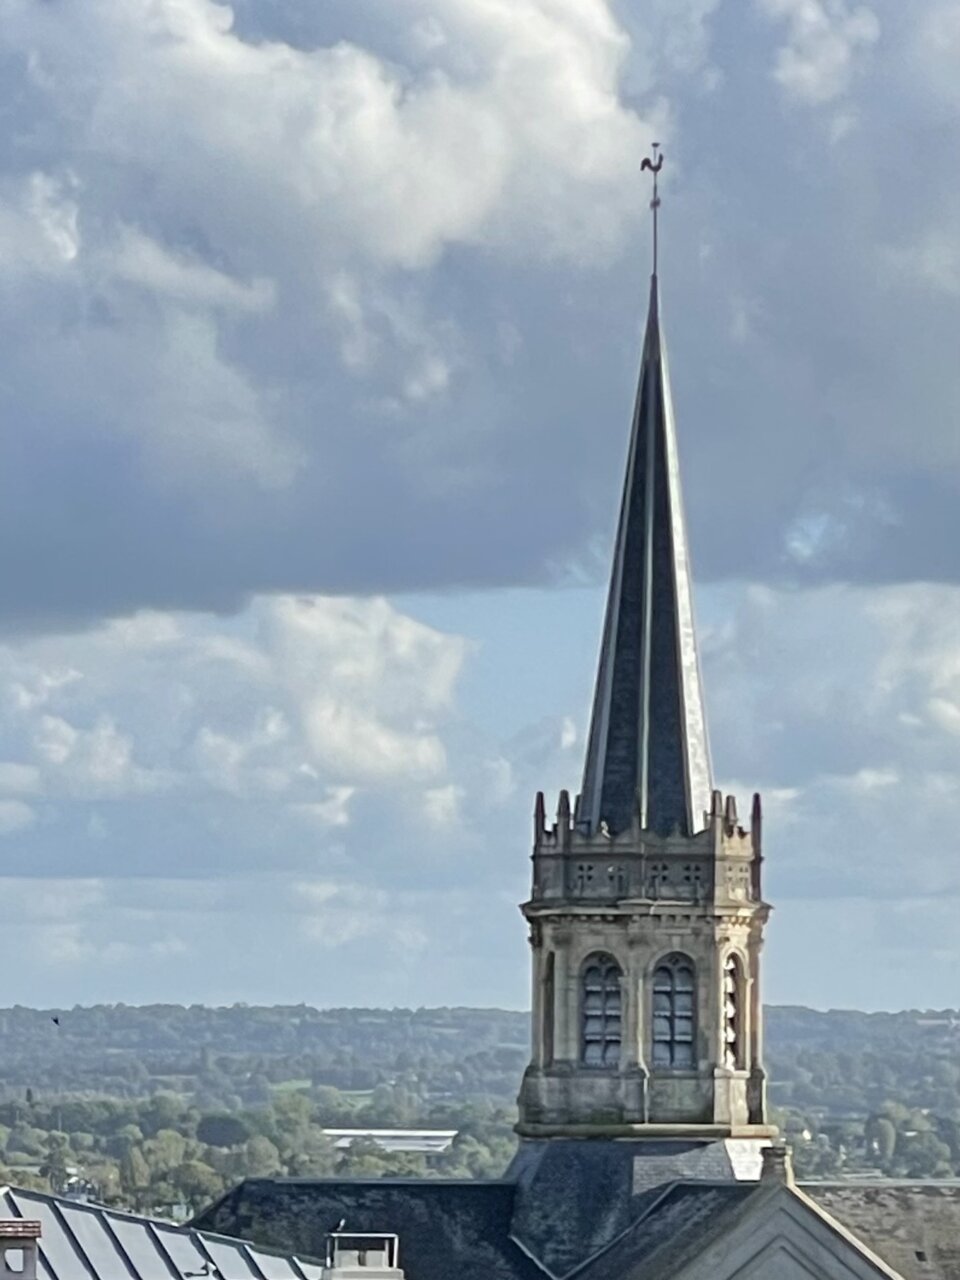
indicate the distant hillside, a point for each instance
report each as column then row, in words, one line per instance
column 163, row 1106
column 838, row 1061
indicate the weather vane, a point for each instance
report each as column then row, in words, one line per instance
column 654, row 165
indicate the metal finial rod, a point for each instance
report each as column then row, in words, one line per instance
column 654, row 165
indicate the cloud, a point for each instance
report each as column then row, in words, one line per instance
column 18, row 778
column 335, row 915
column 824, row 40
column 931, row 262
column 934, row 48
column 441, row 805
column 218, row 249
column 186, row 744
column 139, row 260
column 332, row 812
column 317, row 300
column 14, row 816
column 302, row 306
column 302, row 706
column 854, row 720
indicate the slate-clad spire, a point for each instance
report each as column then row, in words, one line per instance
column 648, row 749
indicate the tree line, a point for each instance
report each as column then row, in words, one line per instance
column 162, row 1108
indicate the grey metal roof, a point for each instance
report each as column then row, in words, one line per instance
column 88, row 1242
column 647, row 748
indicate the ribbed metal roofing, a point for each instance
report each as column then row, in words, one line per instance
column 647, row 752
column 87, row 1242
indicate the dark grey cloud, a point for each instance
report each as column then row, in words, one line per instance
column 228, row 370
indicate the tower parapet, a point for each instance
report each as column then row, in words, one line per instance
column 721, row 863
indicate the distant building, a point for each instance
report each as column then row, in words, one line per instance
column 427, row 1142
column 647, row 1152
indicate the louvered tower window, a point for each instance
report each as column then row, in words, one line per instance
column 600, row 1004
column 674, row 991
column 732, row 1012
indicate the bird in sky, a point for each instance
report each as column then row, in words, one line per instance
column 55, row 1020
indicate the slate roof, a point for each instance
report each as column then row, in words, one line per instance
column 674, row 1227
column 88, row 1242
column 566, row 1208
column 447, row 1228
column 575, row 1198
column 583, row 1210
column 647, row 749
column 463, row 1229
column 913, row 1226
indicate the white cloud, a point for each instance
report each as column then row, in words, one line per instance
column 521, row 141
column 54, row 739
column 203, row 415
column 825, row 40
column 307, row 698
column 38, row 226
column 140, row 260
column 369, row 684
column 855, row 720
column 14, row 816
column 18, row 778
column 339, row 914
column 934, row 52
column 332, row 812
column 208, row 203
column 866, row 780
column 441, row 805
column 932, row 261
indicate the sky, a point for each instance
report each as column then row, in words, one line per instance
column 319, row 332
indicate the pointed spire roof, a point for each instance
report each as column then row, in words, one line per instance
column 648, row 749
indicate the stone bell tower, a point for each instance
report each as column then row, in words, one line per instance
column 646, row 914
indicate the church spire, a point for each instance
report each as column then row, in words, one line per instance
column 646, row 913
column 647, row 752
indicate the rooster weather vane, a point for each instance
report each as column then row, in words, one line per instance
column 654, row 165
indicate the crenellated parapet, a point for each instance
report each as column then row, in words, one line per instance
column 719, row 863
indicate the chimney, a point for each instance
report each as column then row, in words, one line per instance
column 18, row 1248
column 362, row 1256
column 777, row 1165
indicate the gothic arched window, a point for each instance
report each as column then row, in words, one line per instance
column 732, row 1012
column 600, row 1011
column 674, row 993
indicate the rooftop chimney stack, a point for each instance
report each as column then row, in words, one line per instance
column 362, row 1256
column 18, row 1248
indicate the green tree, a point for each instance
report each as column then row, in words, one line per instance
column 25, row 1140
column 222, row 1130
column 881, row 1136
column 56, row 1165
column 134, row 1176
column 259, row 1158
column 165, row 1151
column 925, row 1156
column 197, row 1182
column 119, row 1143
